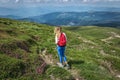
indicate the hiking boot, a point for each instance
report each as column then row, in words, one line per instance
column 60, row 65
column 67, row 66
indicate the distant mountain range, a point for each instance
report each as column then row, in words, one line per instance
column 24, row 12
column 111, row 19
column 65, row 16
column 10, row 16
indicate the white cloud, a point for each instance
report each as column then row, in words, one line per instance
column 58, row 1
column 100, row 0
column 65, row 0
column 85, row 0
column 93, row 1
column 16, row 1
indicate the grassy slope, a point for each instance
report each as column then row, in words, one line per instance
column 100, row 60
column 92, row 58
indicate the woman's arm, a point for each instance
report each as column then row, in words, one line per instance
column 56, row 39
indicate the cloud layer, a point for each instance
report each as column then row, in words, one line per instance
column 21, row 3
column 53, row 1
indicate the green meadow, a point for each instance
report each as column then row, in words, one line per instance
column 93, row 52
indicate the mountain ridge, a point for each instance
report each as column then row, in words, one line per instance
column 78, row 19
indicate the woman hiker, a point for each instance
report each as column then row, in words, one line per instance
column 60, row 40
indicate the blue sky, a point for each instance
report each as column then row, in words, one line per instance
column 30, row 3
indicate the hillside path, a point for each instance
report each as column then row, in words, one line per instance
column 50, row 61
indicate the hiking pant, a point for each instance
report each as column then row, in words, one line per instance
column 61, row 51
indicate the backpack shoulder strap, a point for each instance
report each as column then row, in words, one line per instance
column 64, row 35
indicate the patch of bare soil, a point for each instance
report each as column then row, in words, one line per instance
column 113, row 35
column 86, row 41
column 48, row 58
column 108, row 65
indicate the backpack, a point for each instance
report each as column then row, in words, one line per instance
column 62, row 40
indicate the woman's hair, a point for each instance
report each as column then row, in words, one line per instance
column 57, row 29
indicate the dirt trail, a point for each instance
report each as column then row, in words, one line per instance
column 48, row 58
column 86, row 41
column 113, row 35
column 75, row 74
column 108, row 65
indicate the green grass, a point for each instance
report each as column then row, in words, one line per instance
column 59, row 73
column 11, row 67
column 19, row 42
column 88, row 55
